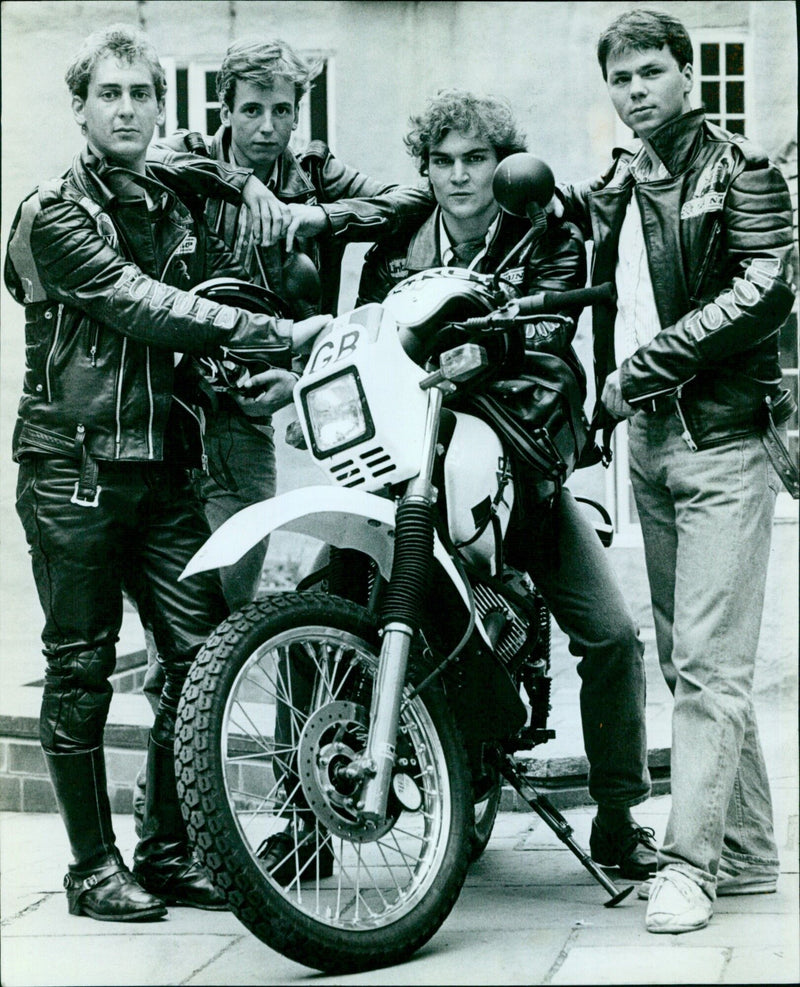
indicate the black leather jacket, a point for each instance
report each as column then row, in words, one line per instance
column 557, row 262
column 718, row 233
column 104, row 282
column 358, row 208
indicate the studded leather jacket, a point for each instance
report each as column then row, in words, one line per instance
column 718, row 233
column 103, row 260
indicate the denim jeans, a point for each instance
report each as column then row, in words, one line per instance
column 706, row 521
column 241, row 471
column 563, row 555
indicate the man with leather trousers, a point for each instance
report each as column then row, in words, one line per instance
column 103, row 260
column 458, row 142
column 695, row 229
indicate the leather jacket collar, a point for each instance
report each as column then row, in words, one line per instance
column 107, row 183
column 292, row 182
column 424, row 250
column 677, row 141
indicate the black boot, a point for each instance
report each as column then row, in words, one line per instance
column 163, row 863
column 98, row 883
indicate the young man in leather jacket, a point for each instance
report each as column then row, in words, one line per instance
column 695, row 229
column 103, row 260
column 458, row 142
column 260, row 85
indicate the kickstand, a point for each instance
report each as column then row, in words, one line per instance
column 545, row 808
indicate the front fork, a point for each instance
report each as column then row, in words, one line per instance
column 400, row 618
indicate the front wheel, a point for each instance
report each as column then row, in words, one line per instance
column 275, row 710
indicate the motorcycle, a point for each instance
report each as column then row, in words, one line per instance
column 341, row 749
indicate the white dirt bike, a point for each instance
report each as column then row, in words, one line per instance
column 340, row 753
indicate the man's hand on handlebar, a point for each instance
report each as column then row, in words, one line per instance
column 270, row 216
column 612, row 397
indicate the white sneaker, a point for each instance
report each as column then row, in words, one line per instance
column 676, row 904
column 730, row 881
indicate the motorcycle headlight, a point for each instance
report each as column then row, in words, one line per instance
column 337, row 413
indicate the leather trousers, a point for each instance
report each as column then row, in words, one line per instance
column 145, row 527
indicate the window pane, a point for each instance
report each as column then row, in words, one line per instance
column 714, row 120
column 709, row 93
column 735, row 126
column 213, row 121
column 211, row 87
column 182, row 97
column 319, row 106
column 734, row 97
column 734, row 59
column 709, row 59
column 788, row 342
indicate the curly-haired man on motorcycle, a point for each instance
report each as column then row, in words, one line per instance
column 458, row 142
column 103, row 260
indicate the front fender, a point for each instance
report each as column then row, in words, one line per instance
column 343, row 518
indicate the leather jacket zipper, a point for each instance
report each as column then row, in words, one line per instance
column 93, row 346
column 118, row 410
column 203, row 454
column 686, row 435
column 150, row 454
column 174, row 251
column 49, row 362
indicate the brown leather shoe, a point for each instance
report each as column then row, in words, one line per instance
column 630, row 848
column 111, row 893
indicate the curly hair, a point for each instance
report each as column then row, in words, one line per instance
column 638, row 30
column 123, row 42
column 457, row 110
column 262, row 62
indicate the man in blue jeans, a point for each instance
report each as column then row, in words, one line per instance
column 458, row 142
column 695, row 229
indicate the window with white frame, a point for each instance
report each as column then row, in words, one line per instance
column 721, row 80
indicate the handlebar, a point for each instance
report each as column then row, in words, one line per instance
column 544, row 302
column 557, row 301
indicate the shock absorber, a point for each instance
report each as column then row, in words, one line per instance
column 413, row 554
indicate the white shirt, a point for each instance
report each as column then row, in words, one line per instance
column 446, row 244
column 637, row 321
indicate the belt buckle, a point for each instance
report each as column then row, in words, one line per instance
column 85, row 501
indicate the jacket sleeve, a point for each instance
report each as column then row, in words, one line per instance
column 360, row 208
column 376, row 278
column 753, row 304
column 189, row 174
column 575, row 197
column 77, row 267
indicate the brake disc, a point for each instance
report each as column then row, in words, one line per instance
column 333, row 739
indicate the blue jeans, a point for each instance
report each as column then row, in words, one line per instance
column 241, row 471
column 564, row 557
column 706, row 521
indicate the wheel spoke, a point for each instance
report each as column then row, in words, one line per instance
column 295, row 715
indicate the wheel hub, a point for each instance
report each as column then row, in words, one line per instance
column 332, row 740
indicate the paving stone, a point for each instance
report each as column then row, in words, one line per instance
column 645, row 964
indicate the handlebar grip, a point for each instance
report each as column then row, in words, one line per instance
column 555, row 301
